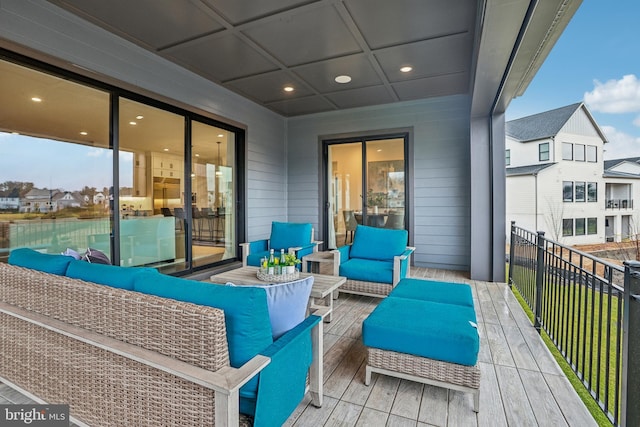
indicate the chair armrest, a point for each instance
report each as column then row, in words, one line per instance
column 301, row 251
column 317, row 244
column 344, row 253
column 283, row 385
column 402, row 264
column 255, row 246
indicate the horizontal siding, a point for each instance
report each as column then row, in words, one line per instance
column 440, row 166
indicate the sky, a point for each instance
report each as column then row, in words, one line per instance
column 596, row 61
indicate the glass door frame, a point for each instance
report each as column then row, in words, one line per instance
column 363, row 137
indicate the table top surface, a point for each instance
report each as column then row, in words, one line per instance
column 323, row 285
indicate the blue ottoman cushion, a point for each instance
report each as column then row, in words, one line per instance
column 434, row 291
column 428, row 329
column 368, row 270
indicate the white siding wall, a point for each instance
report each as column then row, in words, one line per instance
column 526, row 153
column 441, row 197
column 44, row 27
column 521, row 203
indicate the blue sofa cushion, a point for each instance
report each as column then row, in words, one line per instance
column 285, row 235
column 49, row 263
column 423, row 328
column 110, row 275
column 435, row 291
column 368, row 270
column 287, row 304
column 245, row 311
column 378, row 243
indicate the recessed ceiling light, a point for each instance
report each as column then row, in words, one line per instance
column 197, row 155
column 83, row 133
column 220, row 136
column 15, row 133
column 133, row 123
column 288, row 89
column 406, row 69
column 193, row 175
column 166, row 149
column 36, row 99
column 139, row 117
column 379, row 150
column 343, row 79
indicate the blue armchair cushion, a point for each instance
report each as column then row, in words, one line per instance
column 110, row 275
column 287, row 304
column 378, row 243
column 434, row 330
column 435, row 291
column 285, row 235
column 253, row 259
column 368, row 270
column 245, row 311
column 48, row 263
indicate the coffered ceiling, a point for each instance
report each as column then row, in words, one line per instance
column 258, row 47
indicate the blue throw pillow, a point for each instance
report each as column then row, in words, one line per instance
column 285, row 235
column 378, row 243
column 287, row 304
column 110, row 275
column 28, row 258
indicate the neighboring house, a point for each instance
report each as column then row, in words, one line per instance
column 39, row 200
column 555, row 177
column 622, row 193
column 99, row 199
column 69, row 199
column 9, row 202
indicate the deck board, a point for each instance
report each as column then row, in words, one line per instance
column 521, row 384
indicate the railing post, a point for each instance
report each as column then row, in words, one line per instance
column 539, row 280
column 511, row 249
column 630, row 410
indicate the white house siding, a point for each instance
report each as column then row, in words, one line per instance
column 618, row 215
column 46, row 28
column 521, row 205
column 440, row 212
column 580, row 124
column 526, row 153
column 627, row 167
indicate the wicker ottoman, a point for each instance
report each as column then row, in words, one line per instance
column 430, row 342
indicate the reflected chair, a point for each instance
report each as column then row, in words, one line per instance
column 166, row 212
column 196, row 214
column 395, row 220
column 296, row 238
column 350, row 224
column 180, row 217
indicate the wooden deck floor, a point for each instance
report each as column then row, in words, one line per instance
column 521, row 384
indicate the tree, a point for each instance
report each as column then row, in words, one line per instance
column 554, row 219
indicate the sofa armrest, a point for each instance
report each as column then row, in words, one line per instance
column 283, row 385
column 225, row 382
column 252, row 247
column 344, row 252
column 402, row 264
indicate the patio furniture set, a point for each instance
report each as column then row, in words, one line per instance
column 164, row 348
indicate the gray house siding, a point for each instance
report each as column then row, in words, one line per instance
column 439, row 190
column 44, row 27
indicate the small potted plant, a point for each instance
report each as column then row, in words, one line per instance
column 290, row 262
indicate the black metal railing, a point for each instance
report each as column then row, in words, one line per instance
column 619, row 203
column 579, row 301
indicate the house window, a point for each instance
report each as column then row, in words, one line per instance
column 507, row 157
column 580, row 227
column 592, row 225
column 567, row 191
column 543, row 151
column 578, row 152
column 580, row 191
column 592, row 153
column 567, row 227
column 592, row 192
column 567, row 151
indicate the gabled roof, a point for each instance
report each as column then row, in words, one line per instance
column 615, row 174
column 608, row 164
column 527, row 170
column 546, row 124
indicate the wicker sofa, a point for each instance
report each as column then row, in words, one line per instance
column 122, row 356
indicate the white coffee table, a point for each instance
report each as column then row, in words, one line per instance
column 323, row 285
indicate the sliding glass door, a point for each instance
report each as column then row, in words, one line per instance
column 365, row 185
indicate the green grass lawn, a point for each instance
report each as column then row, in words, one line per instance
column 576, row 309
